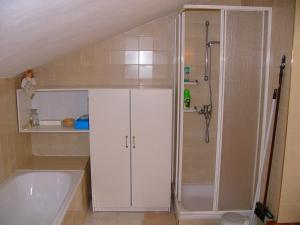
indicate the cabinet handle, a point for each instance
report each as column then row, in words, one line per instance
column 126, row 144
column 133, row 141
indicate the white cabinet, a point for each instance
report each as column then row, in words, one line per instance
column 130, row 142
column 109, row 147
column 151, row 131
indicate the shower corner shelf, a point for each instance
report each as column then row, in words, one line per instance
column 191, row 82
column 191, row 110
column 52, row 129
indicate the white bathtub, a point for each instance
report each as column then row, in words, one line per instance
column 37, row 197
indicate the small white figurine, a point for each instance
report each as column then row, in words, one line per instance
column 28, row 83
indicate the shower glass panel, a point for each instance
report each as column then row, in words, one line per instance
column 243, row 77
column 198, row 165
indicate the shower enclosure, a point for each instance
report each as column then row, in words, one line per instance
column 218, row 139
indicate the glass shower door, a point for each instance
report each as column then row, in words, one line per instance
column 244, row 76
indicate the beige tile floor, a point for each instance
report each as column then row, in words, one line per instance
column 128, row 218
column 158, row 218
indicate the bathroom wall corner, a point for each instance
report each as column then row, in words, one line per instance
column 15, row 148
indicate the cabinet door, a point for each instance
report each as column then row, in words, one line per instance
column 151, row 130
column 110, row 152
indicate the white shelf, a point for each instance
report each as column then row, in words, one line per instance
column 53, row 129
column 55, row 104
column 191, row 110
column 192, row 82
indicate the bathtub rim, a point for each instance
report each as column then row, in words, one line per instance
column 63, row 208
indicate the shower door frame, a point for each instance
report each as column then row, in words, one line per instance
column 180, row 85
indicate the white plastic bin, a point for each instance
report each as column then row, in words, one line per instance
column 234, row 219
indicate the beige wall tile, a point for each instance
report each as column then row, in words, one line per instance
column 132, row 43
column 103, row 63
column 146, row 43
column 60, row 144
column 125, row 59
column 131, row 57
column 15, row 148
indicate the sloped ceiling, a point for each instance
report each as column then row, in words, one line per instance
column 33, row 32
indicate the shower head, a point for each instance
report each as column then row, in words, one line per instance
column 207, row 23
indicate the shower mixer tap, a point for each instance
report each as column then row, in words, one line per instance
column 206, row 111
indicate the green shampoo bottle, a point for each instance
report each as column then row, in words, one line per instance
column 187, row 99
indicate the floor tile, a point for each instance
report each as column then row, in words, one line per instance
column 159, row 219
column 130, row 218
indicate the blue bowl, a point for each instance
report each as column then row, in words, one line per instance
column 82, row 124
